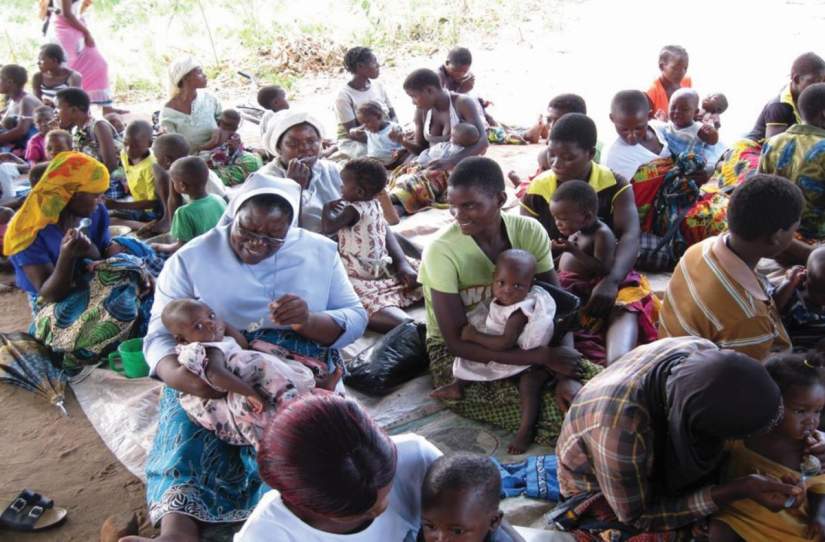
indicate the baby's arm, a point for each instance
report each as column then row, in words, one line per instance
column 337, row 215
column 498, row 343
column 784, row 292
column 230, row 331
column 604, row 253
column 217, row 373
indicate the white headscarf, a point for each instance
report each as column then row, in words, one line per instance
column 178, row 70
column 283, row 121
column 260, row 183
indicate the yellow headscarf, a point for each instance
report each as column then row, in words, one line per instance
column 68, row 173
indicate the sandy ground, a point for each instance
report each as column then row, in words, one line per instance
column 594, row 48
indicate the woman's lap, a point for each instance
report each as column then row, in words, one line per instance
column 497, row 402
column 190, row 471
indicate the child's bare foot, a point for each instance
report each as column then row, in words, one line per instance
column 514, row 178
column 520, row 443
column 450, row 392
column 565, row 392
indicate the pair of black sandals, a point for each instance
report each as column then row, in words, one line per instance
column 31, row 511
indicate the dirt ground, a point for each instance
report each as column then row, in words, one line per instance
column 65, row 459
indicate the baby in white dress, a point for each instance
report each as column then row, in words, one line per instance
column 520, row 315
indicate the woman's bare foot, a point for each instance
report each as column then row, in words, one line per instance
column 520, row 443
column 450, row 392
column 565, row 392
column 514, row 178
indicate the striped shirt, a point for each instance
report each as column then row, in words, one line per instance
column 606, row 443
column 715, row 295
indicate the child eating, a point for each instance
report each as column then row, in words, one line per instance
column 380, row 145
column 225, row 142
column 520, row 314
column 137, row 160
column 189, row 177
column 257, row 383
column 685, row 134
column 414, row 186
column 801, row 299
column 381, row 275
column 460, row 500
column 780, row 454
column 44, row 120
column 673, row 65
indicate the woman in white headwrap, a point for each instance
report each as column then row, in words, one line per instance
column 192, row 112
column 294, row 138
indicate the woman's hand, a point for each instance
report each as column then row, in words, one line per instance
column 407, row 275
column 815, row 445
column 299, row 172
column 289, row 310
column 564, row 360
column 75, row 244
column 88, row 39
column 440, row 164
column 602, row 299
column 396, row 135
column 769, row 492
column 796, row 276
column 468, row 333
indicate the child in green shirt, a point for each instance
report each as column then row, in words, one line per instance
column 189, row 176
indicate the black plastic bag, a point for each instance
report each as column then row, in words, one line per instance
column 398, row 357
column 567, row 310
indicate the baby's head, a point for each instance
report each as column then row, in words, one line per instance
column 6, row 214
column 138, row 139
column 715, row 104
column 230, row 120
column 563, row 104
column 684, row 106
column 574, row 206
column 192, row 321
column 116, row 121
column 273, row 98
column 812, row 105
column 458, row 63
column 189, row 176
column 57, row 141
column 801, row 379
column 673, row 63
column 362, row 179
column 513, row 277
column 460, row 499
column 9, row 123
column 815, row 279
column 36, row 173
column 371, row 116
column 44, row 119
column 630, row 113
column 464, row 134
column 169, row 147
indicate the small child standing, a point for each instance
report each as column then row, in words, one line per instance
column 380, row 273
column 673, row 65
column 461, row 493
column 380, row 145
column 519, row 315
column 225, row 142
column 189, row 176
column 258, row 384
column 684, row 134
column 801, row 299
column 586, row 255
column 778, row 454
column 44, row 120
column 137, row 160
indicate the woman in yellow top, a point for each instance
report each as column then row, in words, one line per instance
column 780, row 454
column 571, row 147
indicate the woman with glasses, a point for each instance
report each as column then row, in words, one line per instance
column 295, row 140
column 252, row 269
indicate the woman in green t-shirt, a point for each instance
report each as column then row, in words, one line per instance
column 457, row 274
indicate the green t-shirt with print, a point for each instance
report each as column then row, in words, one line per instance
column 197, row 217
column 454, row 264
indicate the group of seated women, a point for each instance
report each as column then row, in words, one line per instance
column 668, row 412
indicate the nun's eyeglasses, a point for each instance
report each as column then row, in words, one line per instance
column 253, row 237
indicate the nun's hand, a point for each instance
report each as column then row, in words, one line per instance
column 289, row 310
column 815, row 445
column 299, row 172
column 770, row 492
